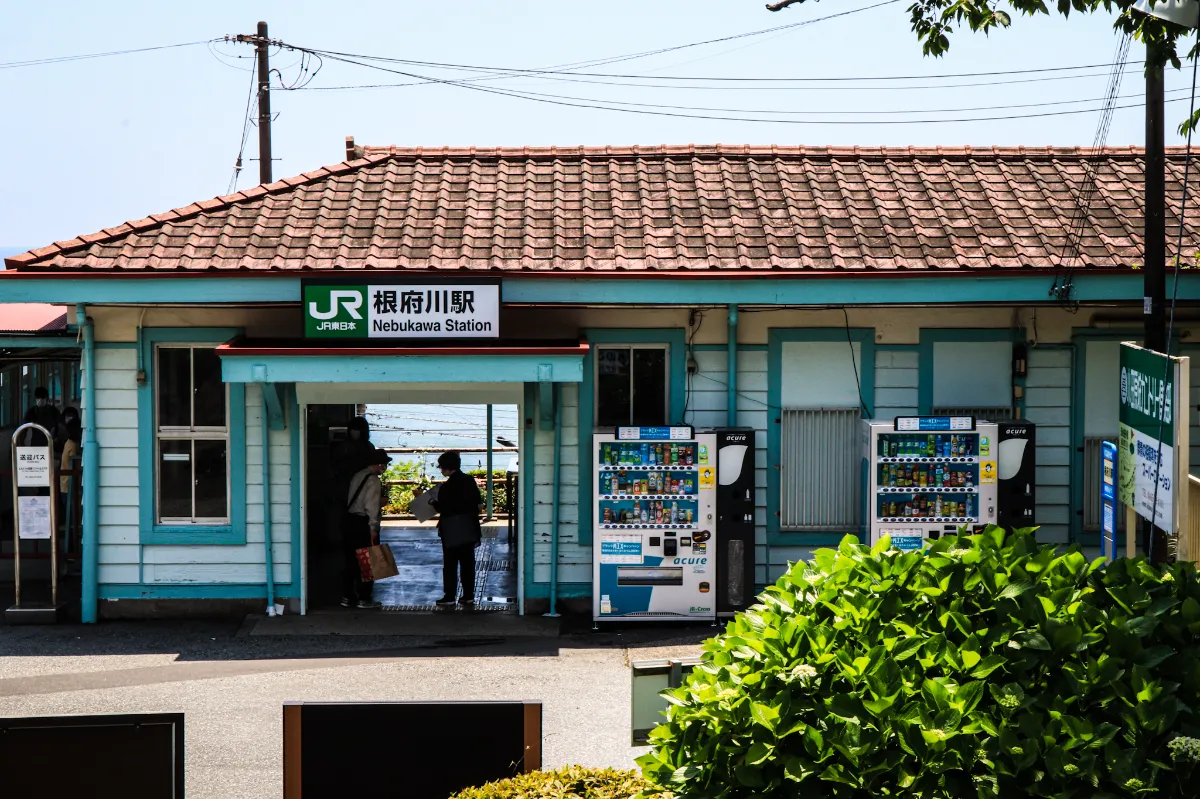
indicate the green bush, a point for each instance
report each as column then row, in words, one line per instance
column 400, row 496
column 572, row 781
column 983, row 666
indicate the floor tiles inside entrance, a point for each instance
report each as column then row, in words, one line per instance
column 418, row 553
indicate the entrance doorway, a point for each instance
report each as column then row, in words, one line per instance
column 414, row 435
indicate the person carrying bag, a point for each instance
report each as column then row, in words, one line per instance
column 458, row 504
column 360, row 529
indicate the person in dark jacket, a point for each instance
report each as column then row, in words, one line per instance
column 41, row 413
column 458, row 504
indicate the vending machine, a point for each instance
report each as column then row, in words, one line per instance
column 1016, row 487
column 928, row 476
column 654, row 548
column 735, row 520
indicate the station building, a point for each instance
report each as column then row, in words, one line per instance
column 792, row 290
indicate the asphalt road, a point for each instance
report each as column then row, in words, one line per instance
column 231, row 685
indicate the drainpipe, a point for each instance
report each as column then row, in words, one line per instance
column 266, row 503
column 91, row 472
column 732, row 361
column 554, row 501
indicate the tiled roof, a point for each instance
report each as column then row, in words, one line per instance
column 727, row 208
column 32, row 317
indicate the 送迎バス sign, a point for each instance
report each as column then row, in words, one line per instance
column 1153, row 441
column 402, row 309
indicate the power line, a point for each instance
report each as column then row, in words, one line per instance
column 717, row 88
column 605, row 105
column 34, row 62
column 515, row 71
column 237, row 165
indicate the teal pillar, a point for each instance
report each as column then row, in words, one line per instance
column 91, row 473
column 489, row 463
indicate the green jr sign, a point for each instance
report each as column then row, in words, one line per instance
column 402, row 309
column 1153, row 451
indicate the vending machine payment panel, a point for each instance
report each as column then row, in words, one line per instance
column 654, row 544
column 929, row 476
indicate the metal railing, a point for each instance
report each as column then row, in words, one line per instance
column 819, row 469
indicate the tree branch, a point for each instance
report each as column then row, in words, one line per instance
column 782, row 4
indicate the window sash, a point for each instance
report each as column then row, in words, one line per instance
column 665, row 349
column 192, row 433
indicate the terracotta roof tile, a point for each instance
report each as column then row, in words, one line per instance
column 660, row 208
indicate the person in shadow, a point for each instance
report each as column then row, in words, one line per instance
column 458, row 505
column 360, row 528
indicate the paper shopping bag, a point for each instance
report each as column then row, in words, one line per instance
column 376, row 563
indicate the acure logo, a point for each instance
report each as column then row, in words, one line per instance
column 351, row 301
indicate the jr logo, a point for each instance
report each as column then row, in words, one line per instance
column 351, row 300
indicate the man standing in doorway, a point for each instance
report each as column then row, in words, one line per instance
column 458, row 504
column 42, row 413
column 360, row 528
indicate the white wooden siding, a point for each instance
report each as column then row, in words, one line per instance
column 122, row 558
column 574, row 559
column 1048, row 405
column 897, row 381
column 117, row 434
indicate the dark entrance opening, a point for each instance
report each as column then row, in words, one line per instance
column 415, row 545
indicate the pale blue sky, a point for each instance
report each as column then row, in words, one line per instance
column 89, row 144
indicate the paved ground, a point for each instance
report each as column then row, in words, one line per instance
column 232, row 679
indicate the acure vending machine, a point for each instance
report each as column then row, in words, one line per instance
column 654, row 553
column 928, row 476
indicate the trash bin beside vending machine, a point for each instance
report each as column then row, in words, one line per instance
column 929, row 476
column 654, row 554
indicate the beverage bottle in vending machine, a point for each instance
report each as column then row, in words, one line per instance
column 652, row 460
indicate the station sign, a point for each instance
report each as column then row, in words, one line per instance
column 1153, row 450
column 401, row 309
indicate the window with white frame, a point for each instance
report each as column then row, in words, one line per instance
column 191, row 427
column 631, row 385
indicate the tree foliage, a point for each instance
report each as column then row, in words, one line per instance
column 935, row 21
column 984, row 666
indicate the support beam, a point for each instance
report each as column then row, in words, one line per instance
column 268, row 546
column 490, row 445
column 554, row 500
column 273, row 395
column 91, row 474
column 38, row 342
column 546, row 396
column 731, row 379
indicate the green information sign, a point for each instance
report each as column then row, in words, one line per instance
column 1153, row 451
column 401, row 309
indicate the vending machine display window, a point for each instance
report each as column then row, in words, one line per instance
column 929, row 476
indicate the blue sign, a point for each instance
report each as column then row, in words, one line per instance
column 933, row 424
column 654, row 433
column 1108, row 499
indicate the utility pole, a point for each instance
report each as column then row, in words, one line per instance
column 1154, row 301
column 261, row 46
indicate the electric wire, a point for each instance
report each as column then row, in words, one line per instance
column 674, row 87
column 573, row 102
column 33, row 62
column 1063, row 284
column 237, row 165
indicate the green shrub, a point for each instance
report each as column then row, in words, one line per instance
column 572, row 781
column 983, row 666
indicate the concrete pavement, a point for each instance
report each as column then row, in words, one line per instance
column 232, row 686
